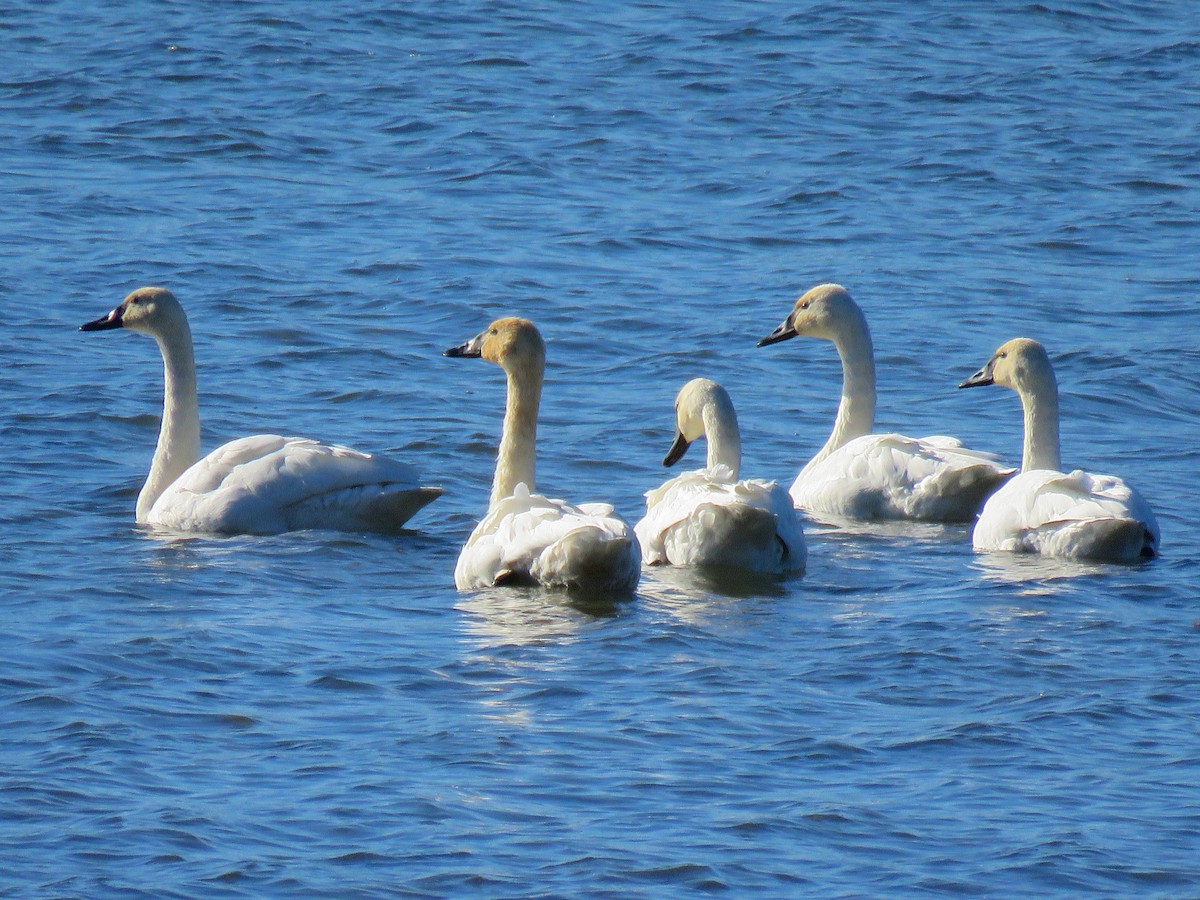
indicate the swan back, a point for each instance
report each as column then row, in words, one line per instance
column 1079, row 515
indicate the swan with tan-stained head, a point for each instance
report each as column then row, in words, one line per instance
column 1043, row 509
column 860, row 475
column 262, row 484
column 527, row 538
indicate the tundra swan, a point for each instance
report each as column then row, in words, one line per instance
column 262, row 484
column 708, row 517
column 859, row 475
column 1043, row 509
column 526, row 537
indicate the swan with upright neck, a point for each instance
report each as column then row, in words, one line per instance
column 1044, row 510
column 264, row 484
column 527, row 538
column 860, row 475
column 709, row 517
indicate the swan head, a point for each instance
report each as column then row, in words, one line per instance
column 820, row 312
column 153, row 310
column 696, row 399
column 1021, row 364
column 510, row 343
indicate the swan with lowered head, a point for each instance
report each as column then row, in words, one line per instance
column 1043, row 509
column 263, row 484
column 859, row 475
column 527, row 538
column 708, row 517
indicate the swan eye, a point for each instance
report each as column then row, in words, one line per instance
column 1003, row 355
column 492, row 331
column 804, row 306
column 136, row 300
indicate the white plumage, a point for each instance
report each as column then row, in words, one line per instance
column 266, row 484
column 1044, row 510
column 890, row 476
column 861, row 475
column 708, row 517
column 262, row 484
column 527, row 538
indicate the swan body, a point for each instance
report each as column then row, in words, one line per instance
column 709, row 517
column 527, row 538
column 861, row 475
column 890, row 476
column 264, row 484
column 1044, row 510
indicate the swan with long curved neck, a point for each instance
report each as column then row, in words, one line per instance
column 1044, row 510
column 527, row 538
column 708, row 517
column 255, row 485
column 859, row 475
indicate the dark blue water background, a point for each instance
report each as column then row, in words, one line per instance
column 339, row 192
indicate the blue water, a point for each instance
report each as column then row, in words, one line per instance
column 337, row 196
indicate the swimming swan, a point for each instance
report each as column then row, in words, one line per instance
column 525, row 537
column 1044, row 510
column 263, row 484
column 859, row 475
column 708, row 517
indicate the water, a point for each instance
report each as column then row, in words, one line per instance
column 337, row 197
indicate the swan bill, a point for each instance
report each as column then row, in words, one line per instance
column 782, row 333
column 980, row 379
column 677, row 450
column 104, row 323
column 472, row 349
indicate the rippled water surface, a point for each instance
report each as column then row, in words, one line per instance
column 337, row 196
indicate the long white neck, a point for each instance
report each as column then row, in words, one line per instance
column 1039, row 400
column 856, row 412
column 179, row 437
column 724, row 439
column 516, row 461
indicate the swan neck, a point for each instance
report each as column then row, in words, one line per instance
column 179, row 435
column 856, row 411
column 724, row 439
column 1040, row 404
column 516, row 460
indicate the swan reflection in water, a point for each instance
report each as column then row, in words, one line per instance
column 509, row 615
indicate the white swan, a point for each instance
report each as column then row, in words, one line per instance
column 1044, row 510
column 525, row 537
column 263, row 484
column 709, row 517
column 859, row 475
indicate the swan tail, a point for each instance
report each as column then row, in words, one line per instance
column 958, row 494
column 590, row 558
column 367, row 507
column 1121, row 540
column 740, row 536
column 392, row 508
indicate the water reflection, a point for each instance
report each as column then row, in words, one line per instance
column 1033, row 569
column 697, row 596
column 533, row 615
